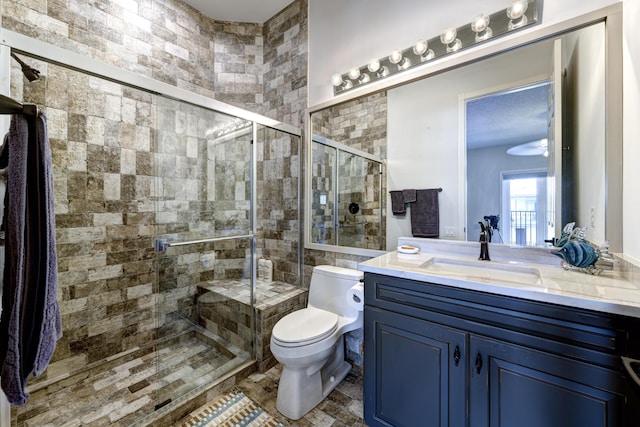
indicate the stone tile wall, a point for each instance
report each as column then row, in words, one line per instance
column 103, row 141
column 285, row 57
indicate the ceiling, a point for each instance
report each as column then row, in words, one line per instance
column 254, row 11
column 508, row 118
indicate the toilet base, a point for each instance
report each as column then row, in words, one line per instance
column 301, row 390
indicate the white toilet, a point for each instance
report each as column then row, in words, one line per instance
column 309, row 343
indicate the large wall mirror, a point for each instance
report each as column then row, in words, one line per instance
column 523, row 135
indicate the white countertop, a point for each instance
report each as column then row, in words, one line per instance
column 610, row 292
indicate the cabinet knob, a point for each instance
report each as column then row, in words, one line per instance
column 456, row 356
column 478, row 363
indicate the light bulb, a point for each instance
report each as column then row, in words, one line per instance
column 516, row 14
column 397, row 58
column 338, row 82
column 449, row 39
column 448, row 36
column 517, row 9
column 480, row 23
column 355, row 74
column 374, row 65
column 336, row 79
column 480, row 26
column 420, row 47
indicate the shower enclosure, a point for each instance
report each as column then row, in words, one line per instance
column 165, row 202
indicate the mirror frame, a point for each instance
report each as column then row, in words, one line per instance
column 612, row 18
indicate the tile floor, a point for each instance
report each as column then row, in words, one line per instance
column 342, row 408
column 116, row 393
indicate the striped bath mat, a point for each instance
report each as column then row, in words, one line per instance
column 232, row 409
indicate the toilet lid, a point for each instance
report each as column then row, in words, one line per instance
column 303, row 326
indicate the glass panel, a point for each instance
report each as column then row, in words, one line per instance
column 278, row 208
column 204, row 169
column 322, row 207
column 359, row 210
column 202, row 192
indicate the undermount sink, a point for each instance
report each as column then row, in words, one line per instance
column 485, row 271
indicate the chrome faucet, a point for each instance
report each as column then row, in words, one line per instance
column 484, row 243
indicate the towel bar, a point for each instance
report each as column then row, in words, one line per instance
column 161, row 245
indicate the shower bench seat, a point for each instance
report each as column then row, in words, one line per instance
column 224, row 308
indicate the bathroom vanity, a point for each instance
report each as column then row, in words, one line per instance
column 517, row 341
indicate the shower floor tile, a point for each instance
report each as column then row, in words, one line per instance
column 119, row 394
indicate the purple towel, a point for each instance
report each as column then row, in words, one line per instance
column 397, row 203
column 425, row 214
column 30, row 324
column 409, row 195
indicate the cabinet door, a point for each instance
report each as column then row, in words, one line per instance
column 415, row 372
column 512, row 385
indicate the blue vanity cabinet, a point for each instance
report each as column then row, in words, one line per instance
column 418, row 372
column 438, row 355
column 516, row 386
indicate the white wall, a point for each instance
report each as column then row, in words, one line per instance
column 631, row 134
column 584, row 60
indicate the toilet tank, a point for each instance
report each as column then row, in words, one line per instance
column 329, row 286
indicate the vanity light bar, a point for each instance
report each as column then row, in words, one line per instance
column 520, row 14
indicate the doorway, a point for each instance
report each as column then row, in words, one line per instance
column 524, row 208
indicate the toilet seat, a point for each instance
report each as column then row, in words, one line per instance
column 304, row 327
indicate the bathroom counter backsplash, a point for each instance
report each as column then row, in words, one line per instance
column 613, row 291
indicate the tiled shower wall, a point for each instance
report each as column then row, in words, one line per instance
column 101, row 137
column 103, row 141
column 260, row 68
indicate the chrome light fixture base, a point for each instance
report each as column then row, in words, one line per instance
column 518, row 15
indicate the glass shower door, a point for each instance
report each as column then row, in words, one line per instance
column 205, row 246
column 359, row 193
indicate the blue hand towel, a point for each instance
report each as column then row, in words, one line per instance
column 30, row 324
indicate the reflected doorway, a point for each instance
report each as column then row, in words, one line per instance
column 524, row 208
column 506, row 136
